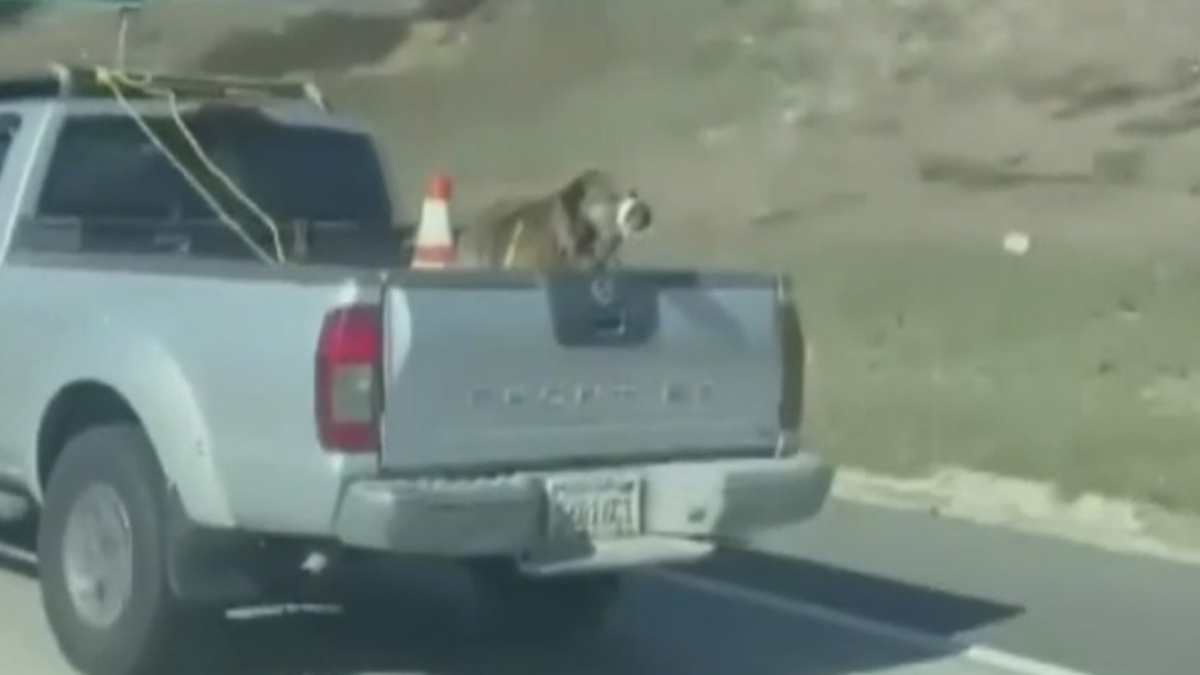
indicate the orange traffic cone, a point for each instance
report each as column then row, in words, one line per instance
column 434, row 247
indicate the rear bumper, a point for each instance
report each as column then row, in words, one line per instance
column 687, row 509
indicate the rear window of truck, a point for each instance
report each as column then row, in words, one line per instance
column 105, row 167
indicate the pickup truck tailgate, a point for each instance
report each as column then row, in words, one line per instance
column 496, row 371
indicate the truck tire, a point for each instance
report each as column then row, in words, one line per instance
column 102, row 556
column 563, row 607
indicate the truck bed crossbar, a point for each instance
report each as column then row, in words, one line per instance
column 63, row 81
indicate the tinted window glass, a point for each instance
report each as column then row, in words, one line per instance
column 8, row 129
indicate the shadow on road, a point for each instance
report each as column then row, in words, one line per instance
column 429, row 625
column 427, row 636
column 928, row 610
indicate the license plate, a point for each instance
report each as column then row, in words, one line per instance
column 602, row 507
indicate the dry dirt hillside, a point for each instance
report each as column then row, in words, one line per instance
column 743, row 111
column 878, row 149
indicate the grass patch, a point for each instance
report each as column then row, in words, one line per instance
column 1065, row 365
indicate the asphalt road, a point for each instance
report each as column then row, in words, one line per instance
column 1098, row 612
column 757, row 613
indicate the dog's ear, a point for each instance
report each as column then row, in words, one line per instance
column 575, row 192
column 572, row 235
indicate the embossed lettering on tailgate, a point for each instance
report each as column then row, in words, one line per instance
column 504, row 371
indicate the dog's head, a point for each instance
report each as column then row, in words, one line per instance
column 595, row 199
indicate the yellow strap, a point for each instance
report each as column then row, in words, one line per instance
column 513, row 242
column 114, row 80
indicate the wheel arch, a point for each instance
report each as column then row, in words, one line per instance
column 76, row 407
column 142, row 384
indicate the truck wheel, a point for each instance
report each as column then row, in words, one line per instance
column 540, row 607
column 101, row 552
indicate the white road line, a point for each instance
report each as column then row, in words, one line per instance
column 936, row 644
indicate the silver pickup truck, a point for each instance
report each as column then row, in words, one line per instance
column 196, row 430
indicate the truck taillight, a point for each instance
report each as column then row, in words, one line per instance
column 791, row 341
column 348, row 374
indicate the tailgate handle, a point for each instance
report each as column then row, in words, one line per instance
column 610, row 325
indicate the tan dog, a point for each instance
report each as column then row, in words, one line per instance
column 581, row 226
